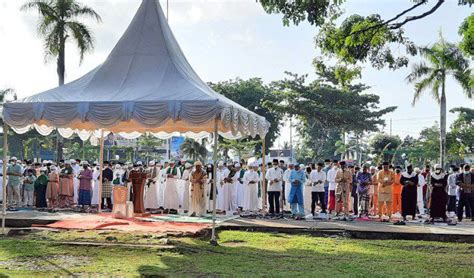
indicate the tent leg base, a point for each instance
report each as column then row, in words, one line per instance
column 214, row 242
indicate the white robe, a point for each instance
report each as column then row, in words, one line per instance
column 185, row 192
column 171, row 198
column 76, row 170
column 251, row 191
column 220, row 176
column 151, row 194
column 95, row 187
column 161, row 187
column 419, row 193
column 240, row 189
column 230, row 199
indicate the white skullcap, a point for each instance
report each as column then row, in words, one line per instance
column 152, row 163
column 221, row 163
column 438, row 166
column 302, row 166
column 72, row 161
column 373, row 168
column 238, row 165
column 139, row 163
column 85, row 162
column 43, row 169
column 188, row 165
column 53, row 168
column 67, row 162
column 416, row 169
column 198, row 163
column 13, row 158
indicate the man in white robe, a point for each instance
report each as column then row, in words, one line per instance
column 184, row 194
column 251, row 179
column 151, row 194
column 239, row 185
column 173, row 173
column 76, row 168
column 161, row 185
column 221, row 174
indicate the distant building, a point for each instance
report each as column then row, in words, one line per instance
column 281, row 154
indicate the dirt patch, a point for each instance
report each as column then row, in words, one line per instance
column 233, row 243
column 45, row 263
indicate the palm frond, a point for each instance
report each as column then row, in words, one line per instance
column 466, row 80
column 82, row 36
column 86, row 12
column 418, row 70
column 422, row 85
column 44, row 7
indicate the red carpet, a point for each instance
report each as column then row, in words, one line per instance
column 105, row 221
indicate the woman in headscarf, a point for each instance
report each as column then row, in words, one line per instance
column 439, row 196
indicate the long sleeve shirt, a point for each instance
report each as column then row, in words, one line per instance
column 317, row 179
column 274, row 174
column 297, row 176
column 452, row 187
column 331, row 177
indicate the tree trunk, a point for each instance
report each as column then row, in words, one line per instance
column 442, row 127
column 60, row 70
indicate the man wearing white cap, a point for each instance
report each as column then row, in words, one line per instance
column 184, row 194
column 221, row 174
column 14, row 173
column 76, row 167
column 198, row 178
column 251, row 178
column 171, row 199
column 239, row 185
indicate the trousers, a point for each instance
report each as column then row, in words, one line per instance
column 297, row 209
column 274, row 201
column 315, row 196
column 14, row 197
column 28, row 198
column 466, row 200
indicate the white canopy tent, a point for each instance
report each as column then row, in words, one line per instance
column 145, row 85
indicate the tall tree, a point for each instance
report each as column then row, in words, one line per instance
column 252, row 93
column 59, row 22
column 462, row 133
column 466, row 31
column 357, row 38
column 442, row 59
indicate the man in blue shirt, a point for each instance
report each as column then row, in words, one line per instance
column 297, row 179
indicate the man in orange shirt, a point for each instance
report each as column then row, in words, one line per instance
column 385, row 178
column 397, row 191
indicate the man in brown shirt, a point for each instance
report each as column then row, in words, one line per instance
column 385, row 178
column 343, row 189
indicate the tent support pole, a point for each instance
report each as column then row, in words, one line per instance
column 101, row 168
column 4, row 177
column 214, row 184
column 264, row 186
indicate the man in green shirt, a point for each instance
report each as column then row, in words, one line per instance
column 14, row 173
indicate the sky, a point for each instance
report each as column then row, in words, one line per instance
column 226, row 39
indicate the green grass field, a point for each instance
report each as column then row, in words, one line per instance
column 241, row 254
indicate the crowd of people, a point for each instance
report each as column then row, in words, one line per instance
column 330, row 189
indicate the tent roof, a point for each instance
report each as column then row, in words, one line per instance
column 145, row 85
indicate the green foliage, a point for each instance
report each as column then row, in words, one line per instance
column 358, row 38
column 349, row 43
column 242, row 148
column 59, row 22
column 441, row 59
column 466, row 31
column 382, row 146
column 194, row 150
column 461, row 135
column 251, row 94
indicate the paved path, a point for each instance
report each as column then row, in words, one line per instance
column 464, row 231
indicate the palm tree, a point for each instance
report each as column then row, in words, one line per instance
column 59, row 22
column 441, row 59
column 193, row 149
